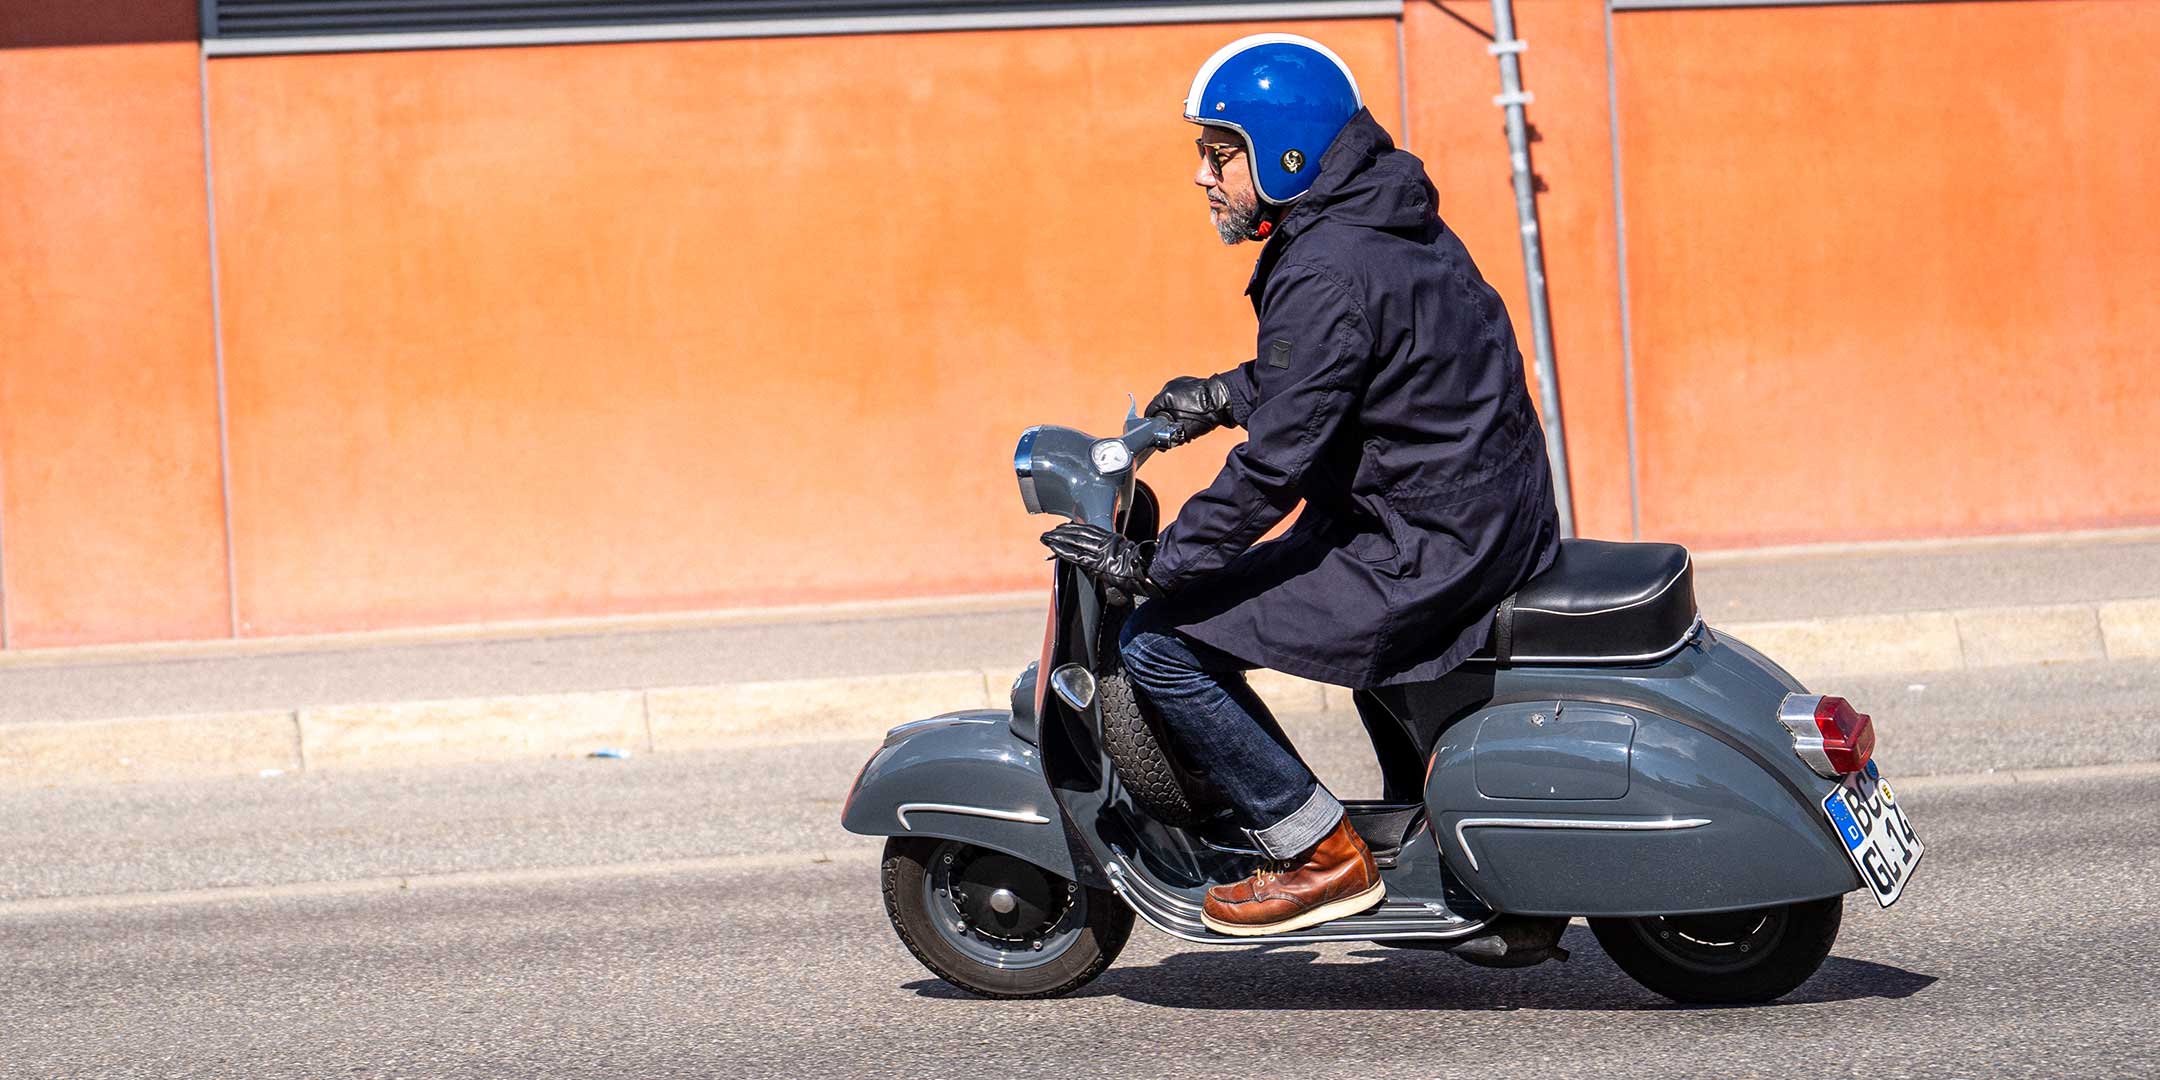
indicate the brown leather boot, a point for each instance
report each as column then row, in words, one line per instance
column 1336, row 878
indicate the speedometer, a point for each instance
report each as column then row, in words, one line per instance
column 1111, row 456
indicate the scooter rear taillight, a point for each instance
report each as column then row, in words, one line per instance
column 1848, row 734
column 1828, row 733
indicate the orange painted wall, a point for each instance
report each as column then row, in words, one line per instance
column 553, row 331
column 110, row 507
column 519, row 333
column 1892, row 267
column 1462, row 136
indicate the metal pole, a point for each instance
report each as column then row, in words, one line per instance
column 1512, row 98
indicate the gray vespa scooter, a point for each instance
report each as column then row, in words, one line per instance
column 1607, row 757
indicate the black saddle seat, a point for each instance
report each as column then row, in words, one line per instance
column 1599, row 602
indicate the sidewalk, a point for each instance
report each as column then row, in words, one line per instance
column 700, row 682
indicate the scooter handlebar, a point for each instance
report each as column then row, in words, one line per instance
column 1149, row 433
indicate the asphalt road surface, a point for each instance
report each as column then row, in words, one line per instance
column 704, row 916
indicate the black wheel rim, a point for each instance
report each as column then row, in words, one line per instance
column 1717, row 944
column 1000, row 911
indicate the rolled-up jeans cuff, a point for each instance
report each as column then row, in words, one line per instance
column 1305, row 826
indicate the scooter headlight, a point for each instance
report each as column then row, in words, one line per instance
column 1024, row 465
column 1058, row 474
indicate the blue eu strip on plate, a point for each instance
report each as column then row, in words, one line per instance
column 1848, row 827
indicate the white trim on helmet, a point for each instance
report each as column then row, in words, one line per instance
column 1222, row 55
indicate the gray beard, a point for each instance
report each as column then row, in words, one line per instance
column 1236, row 225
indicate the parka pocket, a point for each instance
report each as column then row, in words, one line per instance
column 1383, row 542
column 1373, row 547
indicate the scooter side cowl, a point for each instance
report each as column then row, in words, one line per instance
column 1654, row 792
column 961, row 777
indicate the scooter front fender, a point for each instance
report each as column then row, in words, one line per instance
column 962, row 776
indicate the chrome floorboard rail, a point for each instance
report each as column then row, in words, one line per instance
column 1179, row 917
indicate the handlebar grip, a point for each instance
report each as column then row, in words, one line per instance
column 1165, row 432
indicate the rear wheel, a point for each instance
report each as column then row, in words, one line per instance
column 1732, row 957
column 996, row 925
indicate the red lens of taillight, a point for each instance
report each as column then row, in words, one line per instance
column 1848, row 735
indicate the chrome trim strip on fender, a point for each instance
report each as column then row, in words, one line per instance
column 1566, row 823
column 1026, row 817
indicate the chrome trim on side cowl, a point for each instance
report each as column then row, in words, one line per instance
column 1026, row 817
column 1566, row 823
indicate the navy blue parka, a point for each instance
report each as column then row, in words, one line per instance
column 1386, row 394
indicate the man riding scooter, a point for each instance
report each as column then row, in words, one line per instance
column 1386, row 394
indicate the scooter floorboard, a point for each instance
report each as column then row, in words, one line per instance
column 1396, row 918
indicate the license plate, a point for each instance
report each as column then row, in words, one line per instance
column 1876, row 832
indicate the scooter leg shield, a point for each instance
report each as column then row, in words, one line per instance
column 963, row 777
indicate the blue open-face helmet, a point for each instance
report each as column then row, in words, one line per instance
column 1289, row 96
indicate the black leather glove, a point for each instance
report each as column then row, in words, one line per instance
column 1196, row 406
column 1111, row 559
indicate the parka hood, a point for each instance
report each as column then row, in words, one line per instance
column 1364, row 180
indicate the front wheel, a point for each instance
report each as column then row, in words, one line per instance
column 996, row 925
column 1730, row 958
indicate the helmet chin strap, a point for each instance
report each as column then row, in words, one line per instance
column 1265, row 227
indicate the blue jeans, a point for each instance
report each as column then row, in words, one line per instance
column 1224, row 732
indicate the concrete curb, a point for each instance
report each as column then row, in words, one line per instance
column 664, row 719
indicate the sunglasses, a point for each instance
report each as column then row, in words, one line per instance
column 1217, row 155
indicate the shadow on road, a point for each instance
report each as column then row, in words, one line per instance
column 1841, row 979
column 1287, row 977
